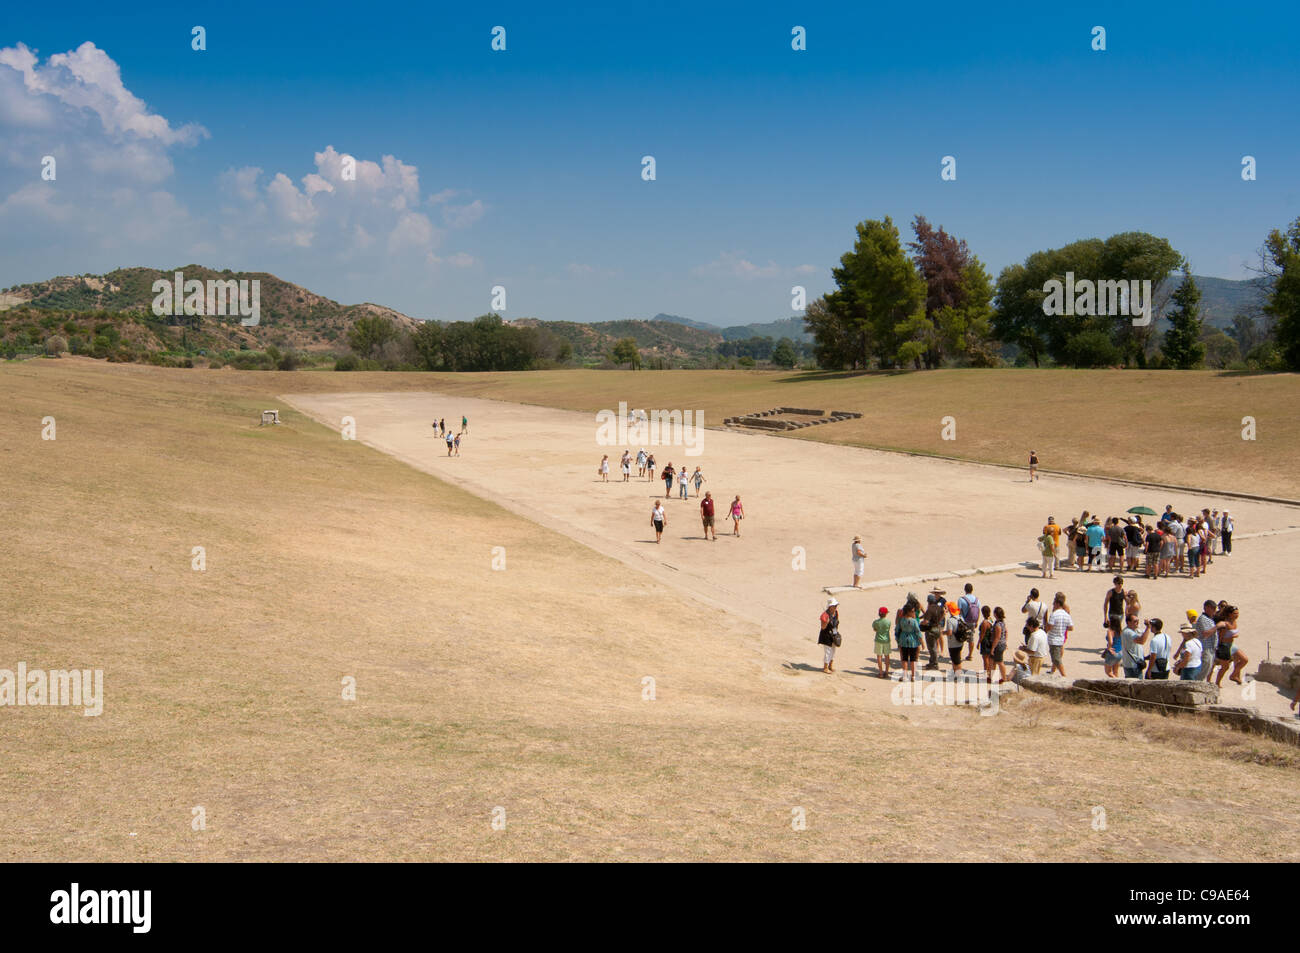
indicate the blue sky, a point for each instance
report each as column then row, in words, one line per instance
column 523, row 168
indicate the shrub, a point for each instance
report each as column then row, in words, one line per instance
column 348, row 362
column 55, row 345
column 216, row 363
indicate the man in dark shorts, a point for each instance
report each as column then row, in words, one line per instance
column 706, row 515
column 1153, row 540
column 1112, row 604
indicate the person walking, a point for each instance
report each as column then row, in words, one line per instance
column 668, row 475
column 683, row 484
column 881, row 630
column 829, row 637
column 658, row 519
column 1225, row 533
column 626, row 464
column 442, row 425
column 706, row 516
column 698, row 479
column 602, row 471
column 859, row 561
column 640, row 462
column 457, row 444
column 1059, row 627
column 650, row 467
column 464, row 424
column 737, row 514
column 1033, row 465
column 450, row 442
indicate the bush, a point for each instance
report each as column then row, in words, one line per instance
column 1092, row 349
column 216, row 363
column 55, row 345
column 348, row 362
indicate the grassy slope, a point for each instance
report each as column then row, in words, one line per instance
column 476, row 688
column 1176, row 427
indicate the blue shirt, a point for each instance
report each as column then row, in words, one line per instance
column 1095, row 535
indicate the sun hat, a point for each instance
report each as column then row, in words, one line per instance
column 1186, row 627
column 1021, row 656
column 952, row 607
column 857, row 539
column 832, row 602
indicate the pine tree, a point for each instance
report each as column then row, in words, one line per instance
column 1182, row 345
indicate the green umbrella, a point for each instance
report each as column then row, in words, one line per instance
column 1143, row 510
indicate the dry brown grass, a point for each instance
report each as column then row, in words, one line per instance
column 479, row 688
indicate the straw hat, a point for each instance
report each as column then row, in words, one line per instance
column 1021, row 657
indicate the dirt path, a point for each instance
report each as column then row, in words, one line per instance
column 804, row 502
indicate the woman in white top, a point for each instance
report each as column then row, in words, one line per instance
column 859, row 561
column 1189, row 658
column 603, row 469
column 658, row 518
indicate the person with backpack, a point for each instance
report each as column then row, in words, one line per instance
column 668, row 475
column 932, row 626
column 829, row 636
column 950, row 637
column 968, row 619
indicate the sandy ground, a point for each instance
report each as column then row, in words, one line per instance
column 804, row 502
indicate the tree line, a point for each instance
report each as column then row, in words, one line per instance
column 931, row 302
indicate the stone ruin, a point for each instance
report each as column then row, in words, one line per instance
column 765, row 419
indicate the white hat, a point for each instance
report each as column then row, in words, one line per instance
column 833, row 602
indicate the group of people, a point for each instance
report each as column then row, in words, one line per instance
column 1172, row 544
column 659, row 516
column 683, row 479
column 440, row 429
column 1135, row 647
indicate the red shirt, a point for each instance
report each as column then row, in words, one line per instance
column 706, row 506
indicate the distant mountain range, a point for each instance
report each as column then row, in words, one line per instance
column 293, row 318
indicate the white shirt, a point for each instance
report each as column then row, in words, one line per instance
column 1193, row 650
column 1037, row 644
column 1057, row 624
column 657, row 513
column 1036, row 610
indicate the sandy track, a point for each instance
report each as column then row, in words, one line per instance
column 917, row 516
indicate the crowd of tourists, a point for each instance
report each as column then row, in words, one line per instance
column 1207, row 646
column 1173, row 543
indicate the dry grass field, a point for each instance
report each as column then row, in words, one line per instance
column 522, row 689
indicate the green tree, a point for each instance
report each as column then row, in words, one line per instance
column 879, row 293
column 784, row 354
column 1182, row 345
column 1282, row 264
column 370, row 333
column 625, row 352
